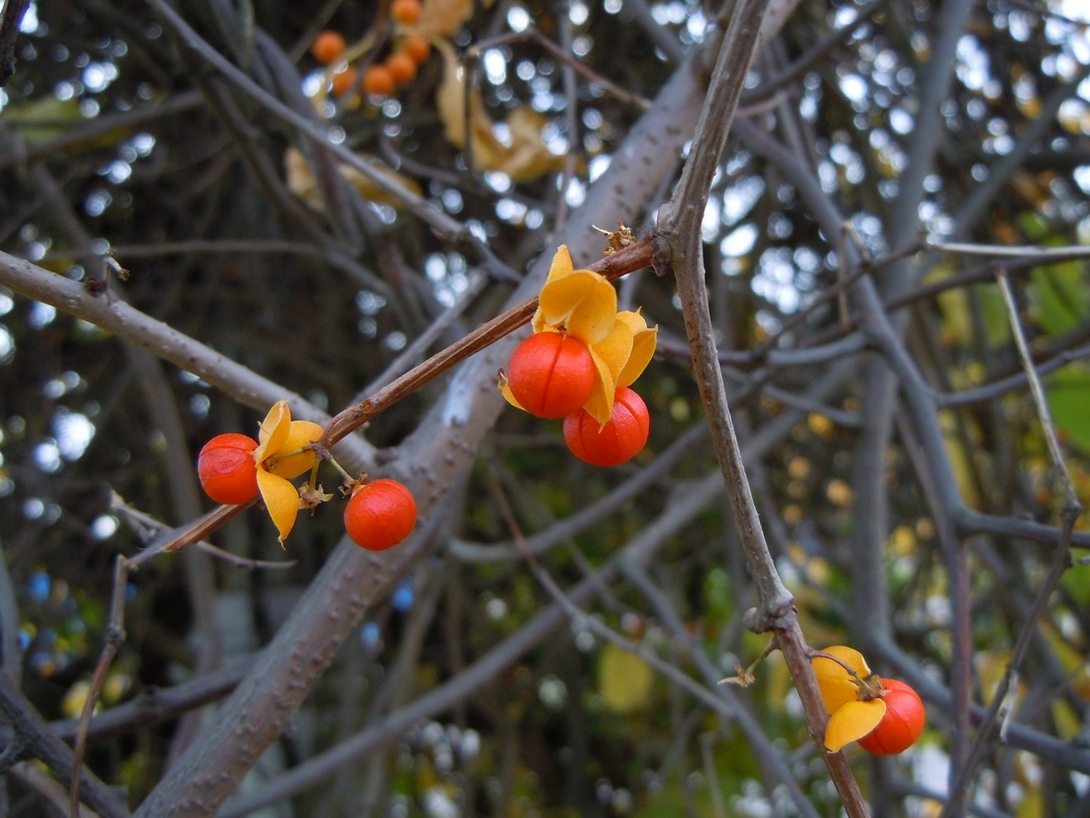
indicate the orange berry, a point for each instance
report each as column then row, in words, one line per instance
column 402, row 67
column 227, row 470
column 380, row 514
column 621, row 438
column 345, row 81
column 416, row 47
column 406, row 11
column 327, row 46
column 378, row 80
column 551, row 374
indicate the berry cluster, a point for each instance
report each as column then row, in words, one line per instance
column 234, row 469
column 380, row 79
column 579, row 365
column 552, row 375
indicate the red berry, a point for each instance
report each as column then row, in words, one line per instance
column 327, row 46
column 227, row 470
column 902, row 724
column 551, row 374
column 380, row 514
column 621, row 438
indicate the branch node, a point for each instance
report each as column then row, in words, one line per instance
column 777, row 617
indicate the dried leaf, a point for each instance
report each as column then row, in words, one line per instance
column 744, row 677
column 442, row 18
column 525, row 158
column 301, row 182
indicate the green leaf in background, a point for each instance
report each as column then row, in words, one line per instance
column 1058, row 292
column 42, row 119
column 1059, row 296
column 955, row 305
column 1069, row 401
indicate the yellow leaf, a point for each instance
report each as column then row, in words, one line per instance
column 851, row 721
column 1032, row 803
column 300, row 180
column 1068, row 721
column 961, row 459
column 624, row 679
column 74, row 700
column 47, row 117
column 451, row 103
column 300, row 433
column 442, row 18
column 837, row 687
column 525, row 158
column 281, row 501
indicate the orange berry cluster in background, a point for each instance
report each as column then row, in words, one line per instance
column 406, row 12
column 382, row 78
column 328, row 47
column 399, row 67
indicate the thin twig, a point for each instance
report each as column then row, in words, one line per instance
column 39, row 742
column 1036, row 254
column 115, row 636
column 1072, row 508
column 680, row 248
column 531, row 33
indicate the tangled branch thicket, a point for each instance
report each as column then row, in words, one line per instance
column 891, row 248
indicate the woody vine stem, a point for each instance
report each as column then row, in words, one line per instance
column 680, row 250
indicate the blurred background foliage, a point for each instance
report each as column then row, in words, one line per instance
column 116, row 139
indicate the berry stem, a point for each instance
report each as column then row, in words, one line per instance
column 870, row 686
